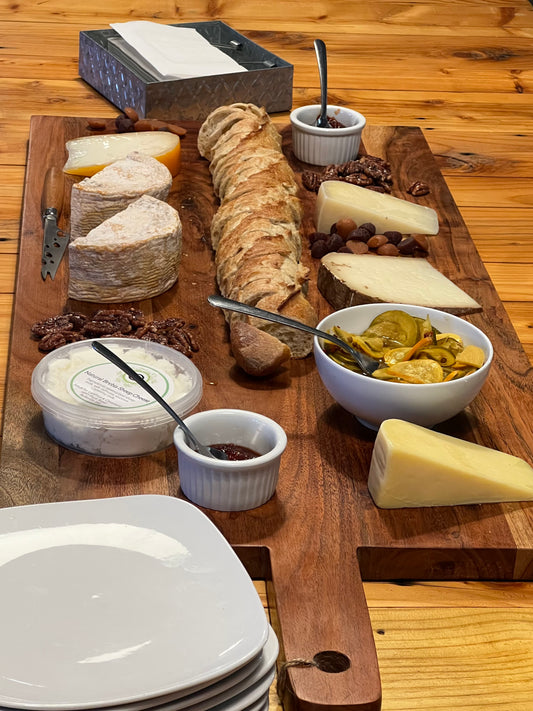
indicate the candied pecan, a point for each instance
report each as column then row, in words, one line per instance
column 62, row 322
column 418, row 188
column 359, row 179
column 311, row 181
column 95, row 329
column 351, row 167
column 56, row 339
column 376, row 168
column 120, row 321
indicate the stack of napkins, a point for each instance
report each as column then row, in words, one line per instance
column 173, row 52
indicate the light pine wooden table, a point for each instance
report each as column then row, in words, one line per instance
column 463, row 72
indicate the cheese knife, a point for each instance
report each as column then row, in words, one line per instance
column 55, row 241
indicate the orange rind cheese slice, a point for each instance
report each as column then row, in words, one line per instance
column 89, row 154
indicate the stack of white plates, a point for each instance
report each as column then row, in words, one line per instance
column 127, row 604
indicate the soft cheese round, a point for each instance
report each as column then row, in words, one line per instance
column 115, row 187
column 131, row 256
column 131, row 176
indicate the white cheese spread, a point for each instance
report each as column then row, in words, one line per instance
column 92, row 406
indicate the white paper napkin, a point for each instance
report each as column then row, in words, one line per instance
column 175, row 52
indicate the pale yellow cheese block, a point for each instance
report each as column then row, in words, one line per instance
column 337, row 199
column 413, row 466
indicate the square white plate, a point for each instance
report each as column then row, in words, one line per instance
column 109, row 601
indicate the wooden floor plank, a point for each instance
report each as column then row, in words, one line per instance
column 450, row 652
column 498, row 18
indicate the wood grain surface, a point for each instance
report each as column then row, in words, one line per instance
column 322, row 495
column 466, row 84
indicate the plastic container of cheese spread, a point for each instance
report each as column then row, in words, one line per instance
column 91, row 406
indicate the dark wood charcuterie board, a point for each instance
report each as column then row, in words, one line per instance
column 321, row 534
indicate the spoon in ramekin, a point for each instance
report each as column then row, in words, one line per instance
column 212, row 452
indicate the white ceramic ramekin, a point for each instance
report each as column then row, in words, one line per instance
column 230, row 485
column 325, row 146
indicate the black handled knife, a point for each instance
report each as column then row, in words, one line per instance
column 55, row 241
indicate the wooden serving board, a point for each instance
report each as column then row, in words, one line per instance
column 321, row 534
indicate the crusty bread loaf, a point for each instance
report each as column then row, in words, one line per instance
column 256, row 234
column 115, row 187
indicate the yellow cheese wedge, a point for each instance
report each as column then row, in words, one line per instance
column 337, row 200
column 89, row 154
column 412, row 466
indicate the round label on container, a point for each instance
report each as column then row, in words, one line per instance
column 107, row 386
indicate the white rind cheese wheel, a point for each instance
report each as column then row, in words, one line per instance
column 115, row 187
column 131, row 256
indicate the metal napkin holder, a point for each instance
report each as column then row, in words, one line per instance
column 111, row 66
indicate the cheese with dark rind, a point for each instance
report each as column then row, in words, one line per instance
column 133, row 255
column 352, row 279
column 337, row 200
column 413, row 466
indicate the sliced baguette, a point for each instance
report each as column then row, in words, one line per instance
column 256, row 234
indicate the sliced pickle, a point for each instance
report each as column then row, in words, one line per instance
column 449, row 340
column 396, row 327
column 410, row 350
column 417, row 371
column 471, row 355
column 371, row 346
column 438, row 353
column 395, row 355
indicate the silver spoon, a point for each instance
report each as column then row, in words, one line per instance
column 213, row 452
column 320, row 49
column 367, row 364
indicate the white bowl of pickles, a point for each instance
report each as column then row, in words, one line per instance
column 432, row 364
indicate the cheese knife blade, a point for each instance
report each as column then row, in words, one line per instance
column 55, row 241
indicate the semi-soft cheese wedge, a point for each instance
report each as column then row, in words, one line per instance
column 131, row 256
column 89, row 154
column 412, row 466
column 337, row 199
column 351, row 279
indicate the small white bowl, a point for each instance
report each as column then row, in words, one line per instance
column 326, row 146
column 226, row 485
column 372, row 400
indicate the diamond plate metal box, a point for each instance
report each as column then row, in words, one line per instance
column 112, row 70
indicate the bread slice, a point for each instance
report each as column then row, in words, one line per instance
column 351, row 279
column 222, row 120
column 257, row 352
column 112, row 189
column 131, row 256
column 273, row 203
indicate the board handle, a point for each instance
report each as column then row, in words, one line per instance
column 328, row 658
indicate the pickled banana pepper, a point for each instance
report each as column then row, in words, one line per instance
column 410, row 350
